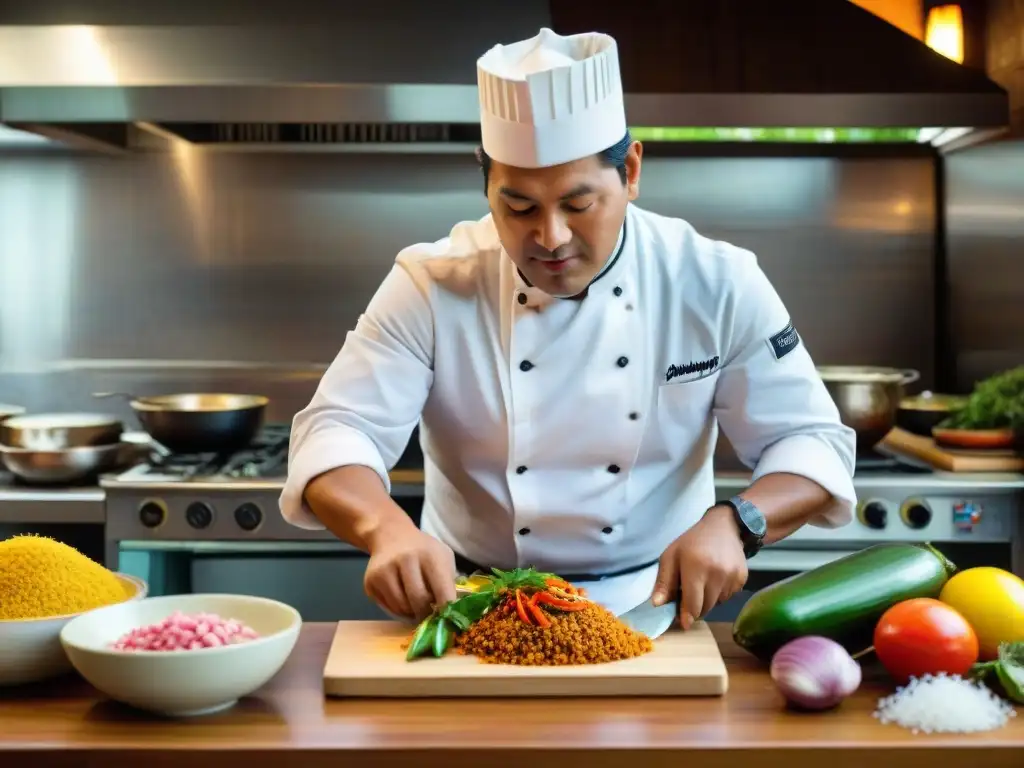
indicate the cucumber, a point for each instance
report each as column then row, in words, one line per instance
column 842, row 600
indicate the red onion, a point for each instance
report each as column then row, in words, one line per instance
column 815, row 672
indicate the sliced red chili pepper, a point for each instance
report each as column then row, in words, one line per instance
column 563, row 605
column 562, row 594
column 521, row 609
column 562, row 585
column 537, row 612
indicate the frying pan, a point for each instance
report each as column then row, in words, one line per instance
column 197, row 422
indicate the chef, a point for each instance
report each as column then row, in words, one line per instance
column 570, row 358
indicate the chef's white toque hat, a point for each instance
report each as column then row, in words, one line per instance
column 550, row 99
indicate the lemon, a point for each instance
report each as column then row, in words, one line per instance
column 472, row 583
column 992, row 601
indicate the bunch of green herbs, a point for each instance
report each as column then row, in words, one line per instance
column 996, row 403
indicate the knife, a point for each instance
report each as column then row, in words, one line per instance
column 650, row 620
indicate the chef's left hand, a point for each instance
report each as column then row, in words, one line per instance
column 705, row 566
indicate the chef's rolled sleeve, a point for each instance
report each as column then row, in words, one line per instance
column 371, row 397
column 817, row 460
column 772, row 404
column 334, row 446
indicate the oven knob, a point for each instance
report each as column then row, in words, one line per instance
column 873, row 515
column 152, row 514
column 248, row 516
column 199, row 515
column 915, row 514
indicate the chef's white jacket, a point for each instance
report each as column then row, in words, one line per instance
column 573, row 435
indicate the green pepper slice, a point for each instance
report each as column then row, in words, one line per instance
column 422, row 639
column 442, row 637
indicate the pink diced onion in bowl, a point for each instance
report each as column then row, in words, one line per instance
column 184, row 632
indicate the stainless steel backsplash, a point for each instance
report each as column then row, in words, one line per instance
column 164, row 272
column 985, row 244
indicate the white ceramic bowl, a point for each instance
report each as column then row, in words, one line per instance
column 30, row 649
column 182, row 683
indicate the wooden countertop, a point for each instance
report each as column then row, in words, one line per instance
column 289, row 722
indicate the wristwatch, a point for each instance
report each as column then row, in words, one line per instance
column 751, row 523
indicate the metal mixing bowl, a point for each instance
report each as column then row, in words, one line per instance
column 67, row 465
column 56, row 431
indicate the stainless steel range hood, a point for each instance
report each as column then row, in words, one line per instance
column 728, row 64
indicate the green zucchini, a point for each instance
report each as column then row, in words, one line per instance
column 842, row 600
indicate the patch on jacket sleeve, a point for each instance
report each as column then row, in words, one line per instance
column 784, row 342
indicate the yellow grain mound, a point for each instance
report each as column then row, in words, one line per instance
column 591, row 636
column 41, row 578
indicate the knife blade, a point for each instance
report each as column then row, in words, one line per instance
column 651, row 620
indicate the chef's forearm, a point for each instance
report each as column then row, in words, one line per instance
column 354, row 505
column 787, row 501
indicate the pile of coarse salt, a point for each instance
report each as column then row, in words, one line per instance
column 944, row 704
column 181, row 632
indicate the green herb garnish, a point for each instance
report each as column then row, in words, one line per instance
column 436, row 632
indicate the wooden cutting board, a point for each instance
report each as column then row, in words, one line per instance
column 949, row 459
column 367, row 660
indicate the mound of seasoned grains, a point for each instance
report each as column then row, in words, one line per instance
column 182, row 632
column 41, row 578
column 590, row 636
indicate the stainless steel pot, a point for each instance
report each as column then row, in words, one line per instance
column 199, row 422
column 57, row 467
column 867, row 397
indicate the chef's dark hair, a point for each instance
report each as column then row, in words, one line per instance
column 613, row 157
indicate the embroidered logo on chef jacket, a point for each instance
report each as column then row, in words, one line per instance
column 784, row 342
column 691, row 371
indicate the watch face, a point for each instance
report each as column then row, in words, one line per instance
column 752, row 518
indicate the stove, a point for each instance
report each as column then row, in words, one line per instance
column 204, row 496
column 216, row 498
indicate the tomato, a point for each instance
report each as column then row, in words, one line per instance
column 924, row 636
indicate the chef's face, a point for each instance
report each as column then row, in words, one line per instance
column 560, row 225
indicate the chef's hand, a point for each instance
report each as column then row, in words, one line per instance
column 705, row 566
column 410, row 572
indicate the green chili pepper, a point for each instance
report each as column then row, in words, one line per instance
column 442, row 637
column 422, row 638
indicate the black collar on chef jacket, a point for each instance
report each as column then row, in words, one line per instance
column 607, row 268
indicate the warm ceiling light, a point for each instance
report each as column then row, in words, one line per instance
column 944, row 32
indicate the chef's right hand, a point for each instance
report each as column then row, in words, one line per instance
column 410, row 572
